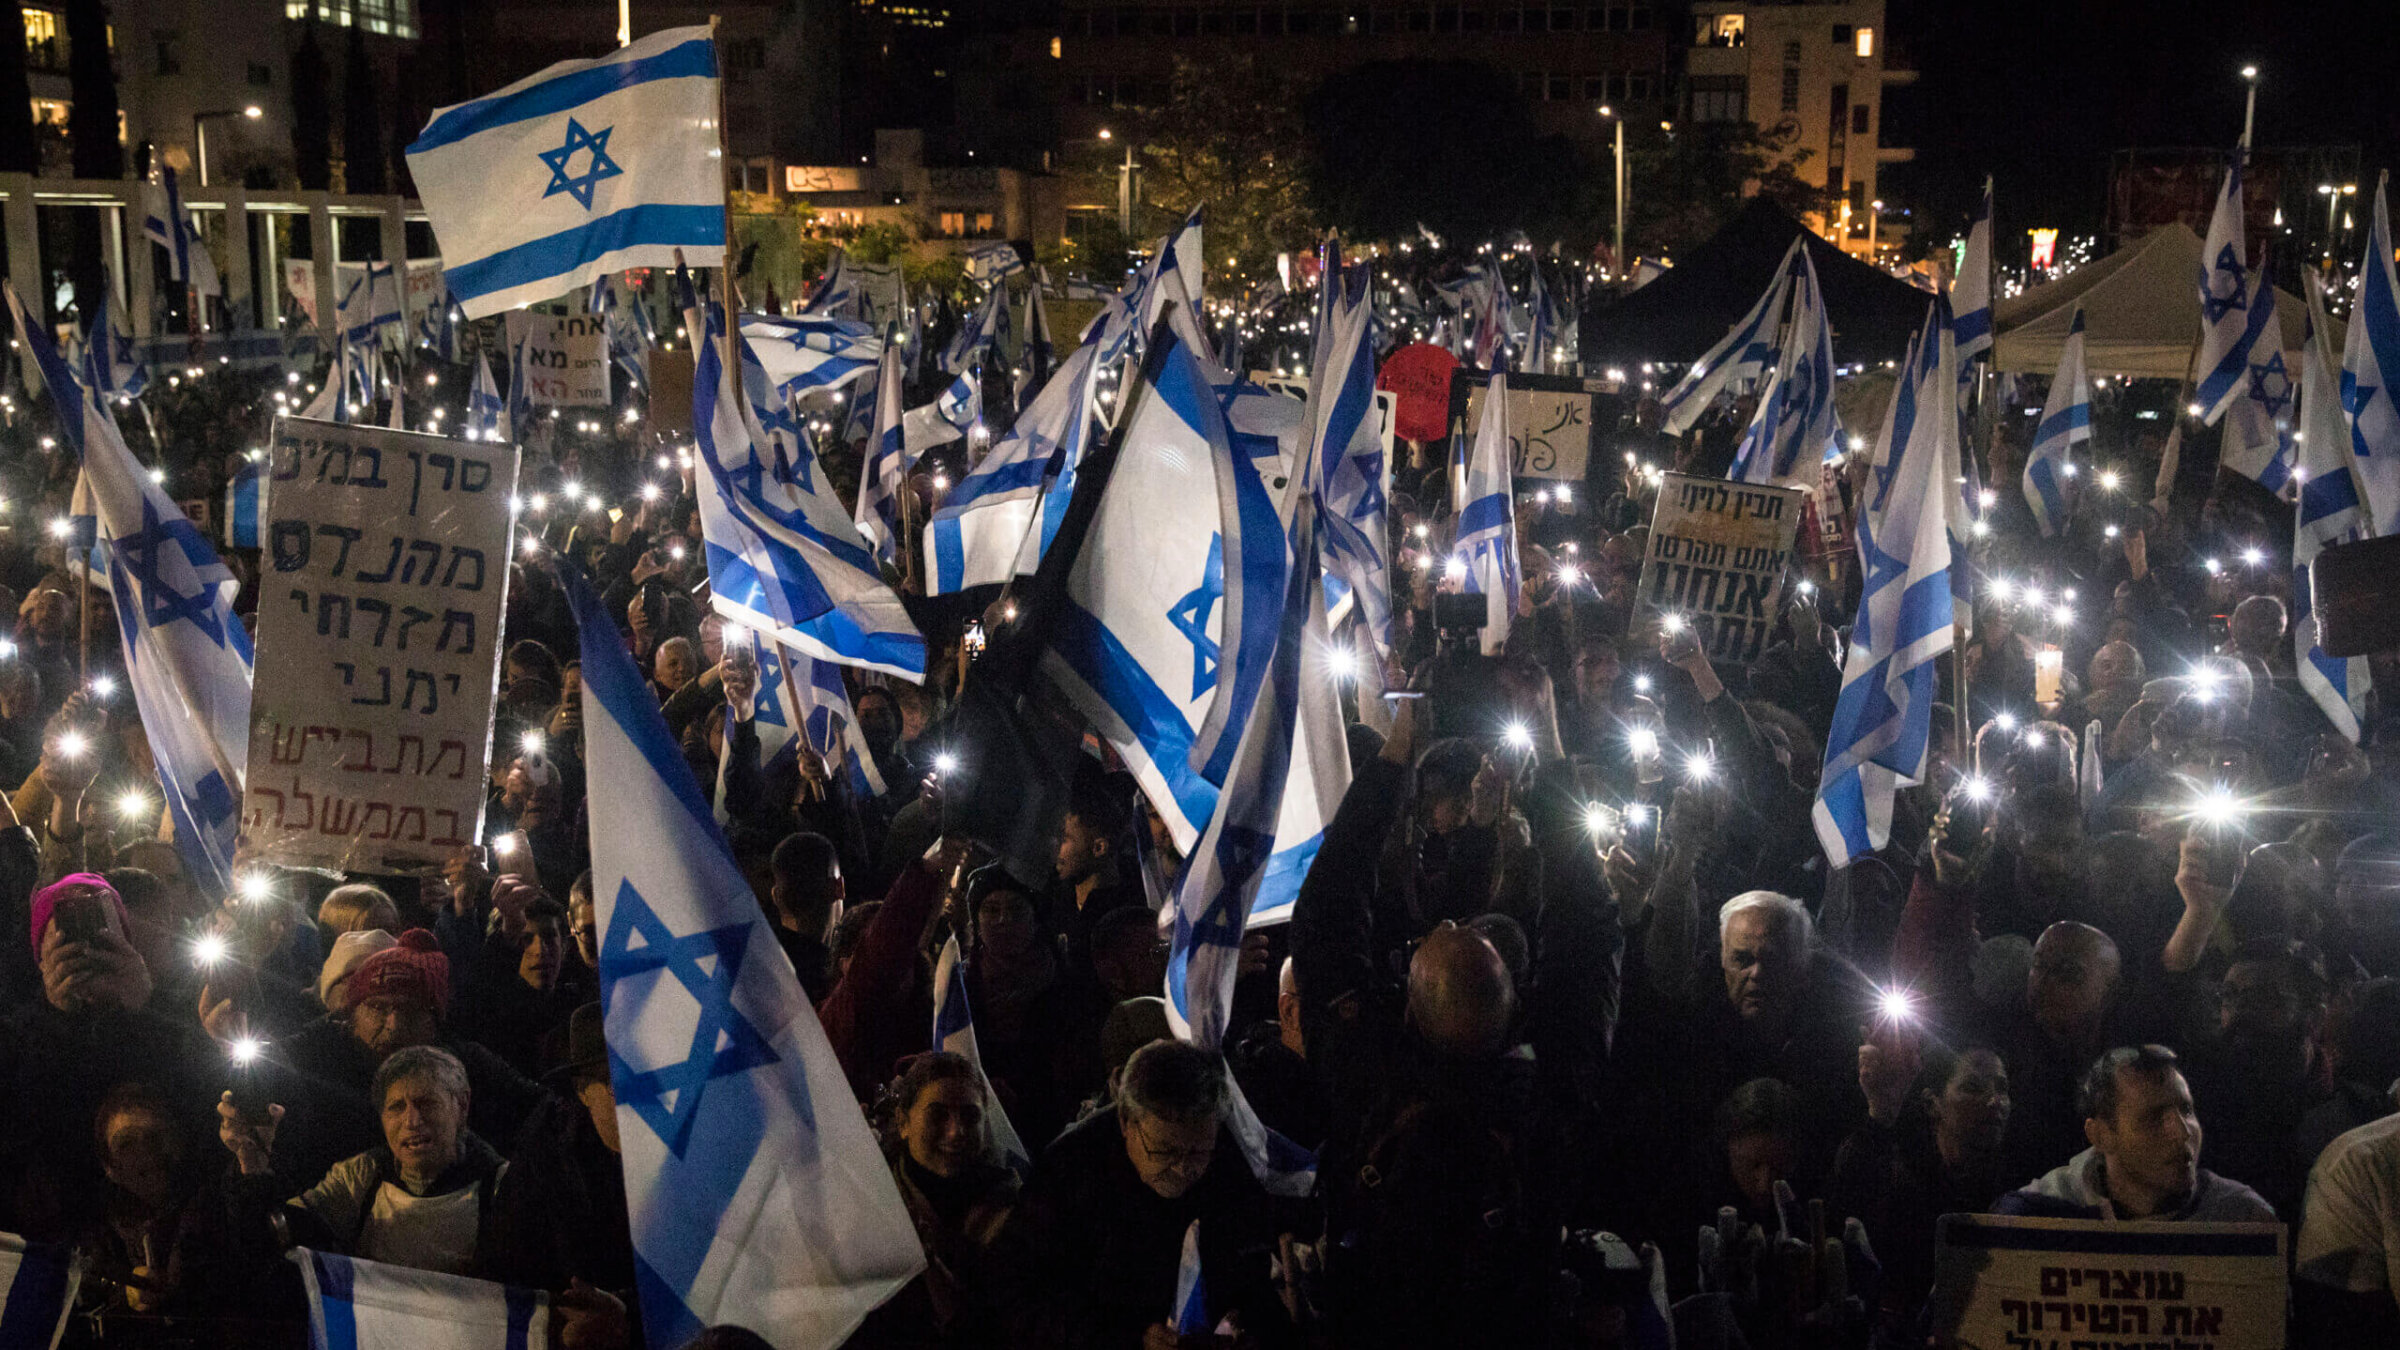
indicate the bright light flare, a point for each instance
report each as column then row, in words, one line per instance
column 2005, row 721
column 255, row 886
column 1643, row 742
column 72, row 744
column 508, row 843
column 208, row 949
column 103, row 685
column 1455, row 569
column 530, row 743
column 1518, row 736
column 2218, row 808
column 2254, row 556
column 133, row 802
column 245, row 1049
column 1978, row 788
column 945, row 763
column 1698, row 767
column 1672, row 623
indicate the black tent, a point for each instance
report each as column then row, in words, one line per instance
column 1686, row 310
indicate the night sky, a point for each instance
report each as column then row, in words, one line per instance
column 2039, row 92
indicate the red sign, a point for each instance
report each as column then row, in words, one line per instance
column 1419, row 377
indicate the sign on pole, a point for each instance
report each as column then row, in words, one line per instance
column 381, row 593
column 1717, row 555
column 2004, row 1281
column 1549, row 422
column 566, row 358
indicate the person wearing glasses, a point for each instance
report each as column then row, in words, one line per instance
column 1089, row 1257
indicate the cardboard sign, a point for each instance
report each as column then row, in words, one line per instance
column 1549, row 423
column 566, row 357
column 383, row 584
column 2079, row 1282
column 1718, row 552
column 1418, row 376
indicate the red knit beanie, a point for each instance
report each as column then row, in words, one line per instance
column 416, row 969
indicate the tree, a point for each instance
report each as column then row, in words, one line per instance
column 362, row 123
column 1687, row 183
column 19, row 151
column 312, row 116
column 1228, row 140
column 1447, row 144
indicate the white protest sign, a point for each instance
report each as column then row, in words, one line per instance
column 566, row 358
column 2079, row 1282
column 381, row 592
column 1549, row 430
column 1717, row 556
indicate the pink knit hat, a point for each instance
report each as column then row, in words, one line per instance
column 45, row 902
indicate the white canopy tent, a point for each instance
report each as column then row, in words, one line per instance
column 2141, row 313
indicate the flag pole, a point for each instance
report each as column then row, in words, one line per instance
column 732, row 352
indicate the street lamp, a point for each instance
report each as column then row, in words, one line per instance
column 2333, row 210
column 2250, row 103
column 200, row 131
column 1610, row 114
column 1873, row 221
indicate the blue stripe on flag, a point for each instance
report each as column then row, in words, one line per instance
column 2045, row 481
column 336, row 1285
column 2072, row 418
column 1484, row 513
column 36, row 1299
column 696, row 58
column 522, row 1304
column 2322, row 497
column 1155, row 721
column 618, row 684
column 1972, row 326
column 659, row 225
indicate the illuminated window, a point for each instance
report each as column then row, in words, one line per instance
column 954, row 223
column 1057, row 49
column 1866, row 42
column 1720, row 30
column 394, row 18
column 983, row 222
column 51, row 112
column 45, row 40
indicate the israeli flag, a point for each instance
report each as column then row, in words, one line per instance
column 1222, row 876
column 821, row 703
column 629, row 337
column 783, row 556
column 37, row 1292
column 487, row 414
column 961, row 404
column 993, row 263
column 807, row 353
column 115, row 371
column 1487, row 522
column 167, row 223
column 518, row 425
column 983, row 533
column 840, row 292
column 2066, row 423
column 368, row 314
column 437, row 328
column 768, row 711
column 2257, row 440
column 954, row 1031
column 754, row 1186
column 369, row 1305
column 1346, row 444
column 1741, row 358
column 186, row 652
column 1143, row 632
column 245, row 505
column 2228, row 322
column 329, row 405
column 1883, row 717
column 1795, row 428
column 974, row 336
column 1040, row 351
column 884, row 475
column 588, row 167
column 1189, row 1316
column 2370, row 363
column 1971, row 292
column 2331, row 512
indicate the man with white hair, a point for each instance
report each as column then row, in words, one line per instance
column 421, row 1199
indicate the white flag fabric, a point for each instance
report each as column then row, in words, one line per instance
column 371, row 1305
column 2066, row 422
column 2257, row 440
column 983, row 532
column 1743, row 356
column 1883, row 717
column 1487, row 520
column 37, row 1292
column 587, row 167
column 1971, row 293
column 884, row 476
column 754, row 1187
column 2370, row 362
column 807, row 353
column 487, row 414
column 783, row 556
column 1795, row 428
column 954, row 1031
column 168, row 223
column 187, row 655
column 2331, row 512
column 2228, row 321
column 1346, row 445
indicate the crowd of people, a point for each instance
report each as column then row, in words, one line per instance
column 1587, row 1037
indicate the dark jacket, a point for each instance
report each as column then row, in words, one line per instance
column 1088, row 1260
column 957, row 1221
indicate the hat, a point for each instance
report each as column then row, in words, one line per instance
column 587, row 1049
column 350, row 950
column 45, row 902
column 412, row 968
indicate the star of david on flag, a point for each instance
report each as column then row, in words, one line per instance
column 755, row 1191
column 595, row 169
column 587, row 168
